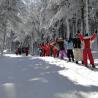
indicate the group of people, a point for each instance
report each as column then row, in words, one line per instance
column 76, row 49
column 21, row 50
column 48, row 49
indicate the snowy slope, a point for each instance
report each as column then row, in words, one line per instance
column 45, row 77
column 79, row 74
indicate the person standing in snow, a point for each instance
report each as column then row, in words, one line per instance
column 47, row 49
column 77, row 49
column 43, row 49
column 60, row 42
column 26, row 51
column 40, row 49
column 69, row 45
column 17, row 51
column 87, row 41
column 55, row 51
column 51, row 49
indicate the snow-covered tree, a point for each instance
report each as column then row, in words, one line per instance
column 8, row 12
column 32, row 19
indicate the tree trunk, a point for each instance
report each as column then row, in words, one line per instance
column 82, row 18
column 3, row 45
column 87, row 22
column 31, row 45
column 68, row 30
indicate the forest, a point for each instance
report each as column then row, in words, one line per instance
column 30, row 22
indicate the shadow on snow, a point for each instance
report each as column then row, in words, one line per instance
column 35, row 78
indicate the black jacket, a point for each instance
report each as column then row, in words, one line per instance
column 77, row 43
column 61, row 44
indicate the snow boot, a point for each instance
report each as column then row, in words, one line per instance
column 82, row 62
column 76, row 62
column 86, row 66
column 73, row 59
column 93, row 66
column 69, row 60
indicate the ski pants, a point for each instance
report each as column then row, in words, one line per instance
column 55, row 53
column 61, row 54
column 87, row 54
column 78, row 54
column 70, row 54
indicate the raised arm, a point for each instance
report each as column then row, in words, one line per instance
column 94, row 36
column 80, row 36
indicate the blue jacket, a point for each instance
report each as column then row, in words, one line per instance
column 68, row 44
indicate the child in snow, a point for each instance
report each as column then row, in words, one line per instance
column 69, row 45
column 87, row 41
column 55, row 51
column 60, row 42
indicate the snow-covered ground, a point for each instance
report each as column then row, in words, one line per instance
column 46, row 77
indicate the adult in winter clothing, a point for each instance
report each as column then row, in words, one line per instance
column 40, row 50
column 87, row 41
column 51, row 47
column 43, row 49
column 69, row 46
column 51, row 50
column 77, row 49
column 26, row 51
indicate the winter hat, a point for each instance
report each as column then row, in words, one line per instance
column 86, row 34
column 78, row 31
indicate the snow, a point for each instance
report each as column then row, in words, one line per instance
column 45, row 77
column 78, row 74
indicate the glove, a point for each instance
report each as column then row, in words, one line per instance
column 96, row 31
column 78, row 32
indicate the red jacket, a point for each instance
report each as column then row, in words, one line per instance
column 87, row 41
column 47, row 50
